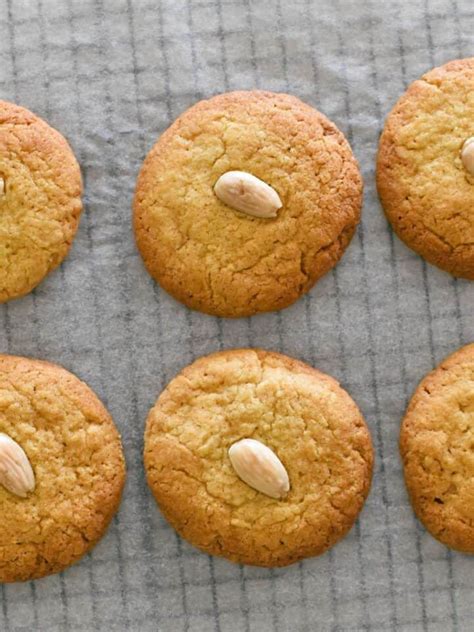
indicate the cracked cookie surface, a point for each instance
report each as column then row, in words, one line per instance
column 40, row 200
column 76, row 455
column 427, row 194
column 437, row 448
column 222, row 262
column 304, row 416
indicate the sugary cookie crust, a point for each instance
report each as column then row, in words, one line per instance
column 41, row 203
column 226, row 263
column 437, row 441
column 76, row 454
column 427, row 194
column 304, row 416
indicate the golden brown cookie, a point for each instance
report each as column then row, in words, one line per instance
column 426, row 189
column 40, row 200
column 75, row 453
column 437, row 448
column 225, row 262
column 309, row 422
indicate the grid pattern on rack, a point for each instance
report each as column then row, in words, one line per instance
column 112, row 75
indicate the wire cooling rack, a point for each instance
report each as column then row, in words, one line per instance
column 112, row 75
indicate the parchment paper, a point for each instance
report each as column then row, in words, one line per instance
column 112, row 75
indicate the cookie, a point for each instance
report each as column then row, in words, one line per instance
column 58, row 503
column 425, row 172
column 227, row 261
column 292, row 492
column 40, row 200
column 437, row 450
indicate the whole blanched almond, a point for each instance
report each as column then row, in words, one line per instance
column 259, row 467
column 16, row 473
column 246, row 193
column 467, row 155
